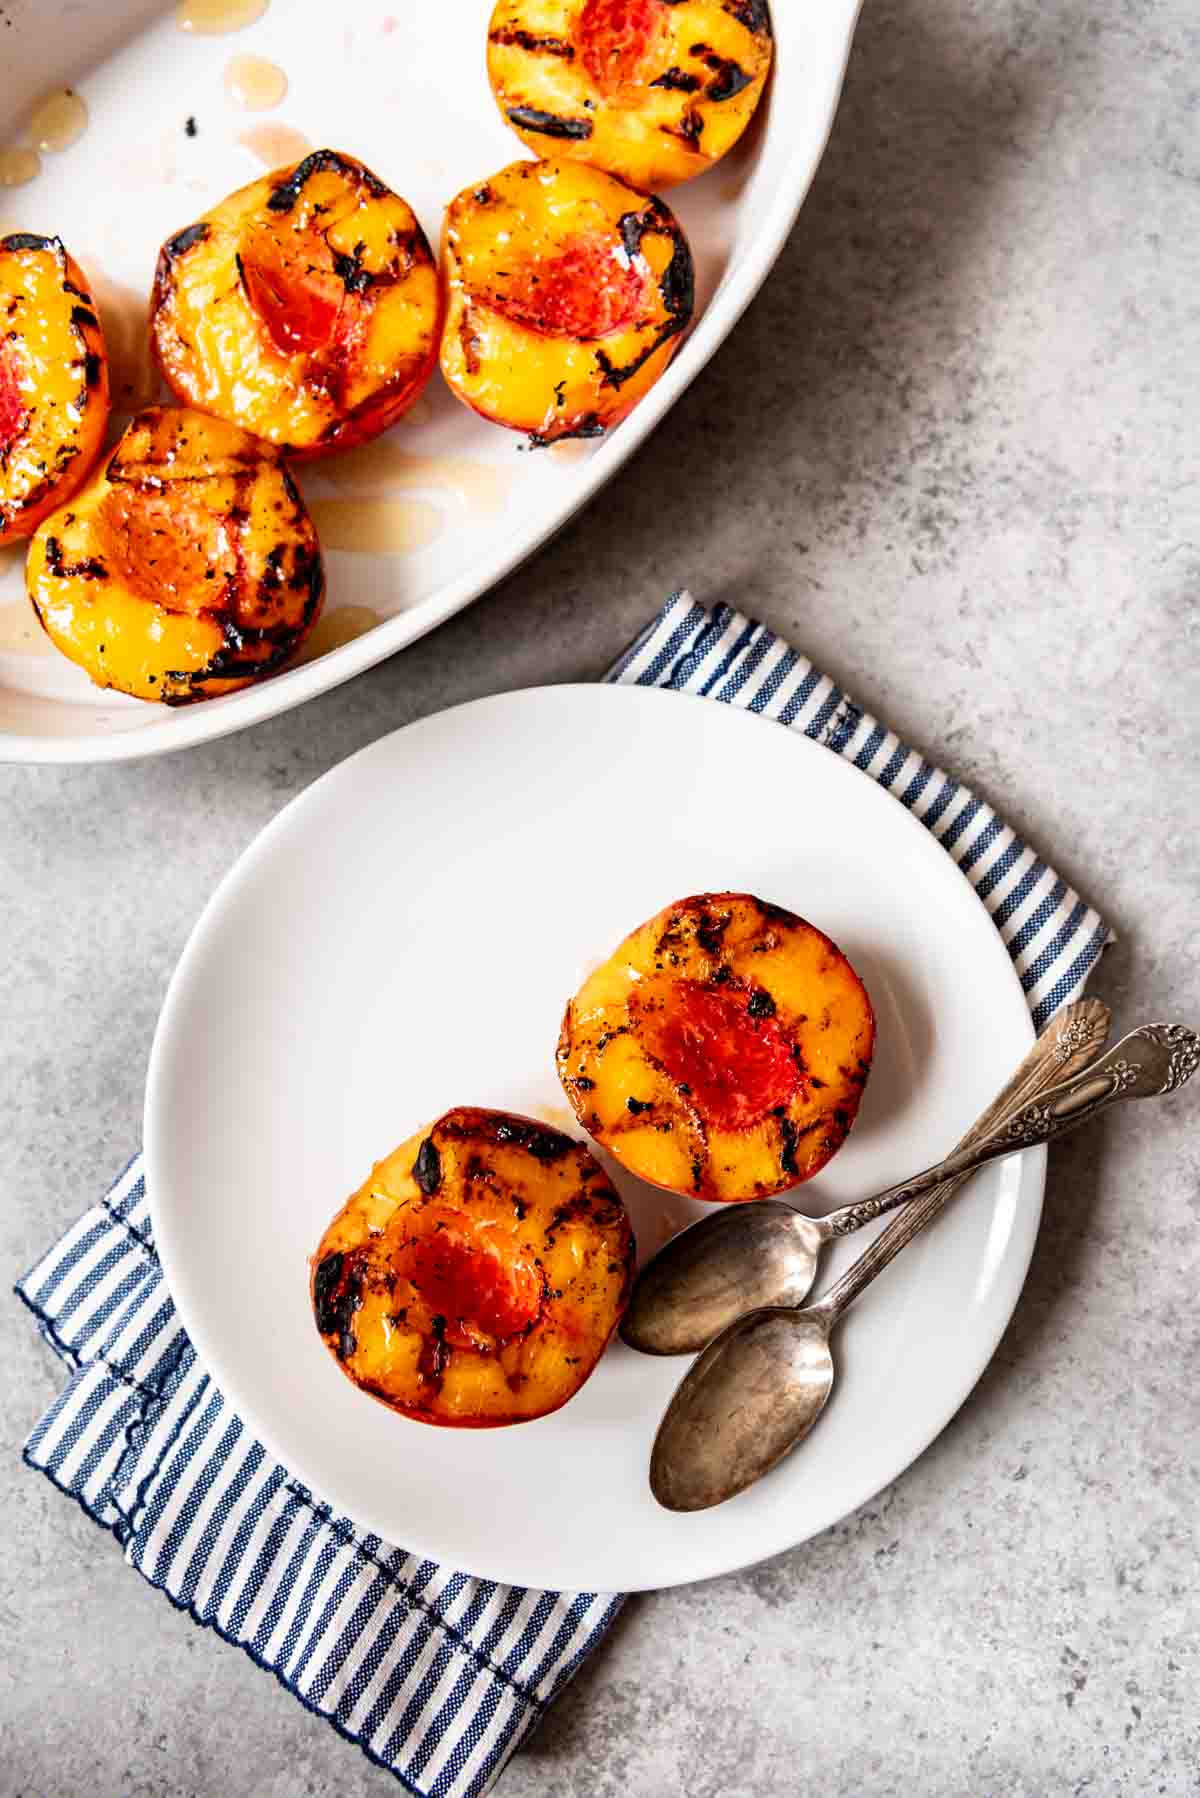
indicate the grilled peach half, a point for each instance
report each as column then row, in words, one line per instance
column 568, row 295
column 721, row 1051
column 475, row 1277
column 186, row 568
column 305, row 307
column 54, row 399
column 653, row 91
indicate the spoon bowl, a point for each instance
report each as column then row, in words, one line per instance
column 759, row 1388
column 732, row 1261
column 752, row 1395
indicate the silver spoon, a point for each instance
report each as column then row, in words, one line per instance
column 743, row 1257
column 760, row 1387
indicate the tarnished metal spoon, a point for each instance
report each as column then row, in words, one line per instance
column 766, row 1252
column 761, row 1386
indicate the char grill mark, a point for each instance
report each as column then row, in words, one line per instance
column 284, row 197
column 407, row 250
column 92, row 568
column 535, row 42
column 709, row 931
column 337, row 1295
column 589, row 426
column 237, row 656
column 32, row 240
column 691, row 127
column 549, row 124
column 185, row 240
column 543, row 1144
column 351, row 273
column 435, row 1353
column 427, row 1168
column 753, row 14
column 676, row 285
column 729, row 78
column 677, row 81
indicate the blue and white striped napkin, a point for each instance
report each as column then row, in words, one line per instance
column 1053, row 936
column 437, row 1676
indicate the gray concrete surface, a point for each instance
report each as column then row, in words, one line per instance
column 953, row 450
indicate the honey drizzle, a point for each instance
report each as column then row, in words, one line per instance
column 380, row 468
column 376, row 526
column 213, row 18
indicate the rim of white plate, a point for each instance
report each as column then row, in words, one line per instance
column 925, row 1427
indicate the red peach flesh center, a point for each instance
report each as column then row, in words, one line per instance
column 466, row 1279
column 616, row 39
column 738, row 1068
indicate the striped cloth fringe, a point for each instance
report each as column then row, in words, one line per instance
column 435, row 1675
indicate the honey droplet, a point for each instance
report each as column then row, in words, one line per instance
column 19, row 165
column 58, row 120
column 254, row 83
column 213, row 18
column 332, row 629
column 275, row 145
column 376, row 526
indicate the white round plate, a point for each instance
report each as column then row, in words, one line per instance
column 403, row 938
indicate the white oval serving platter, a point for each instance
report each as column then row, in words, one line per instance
column 459, row 501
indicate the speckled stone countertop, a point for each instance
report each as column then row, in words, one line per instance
column 953, row 451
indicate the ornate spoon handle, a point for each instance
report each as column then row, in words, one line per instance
column 1072, row 1039
column 1155, row 1059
